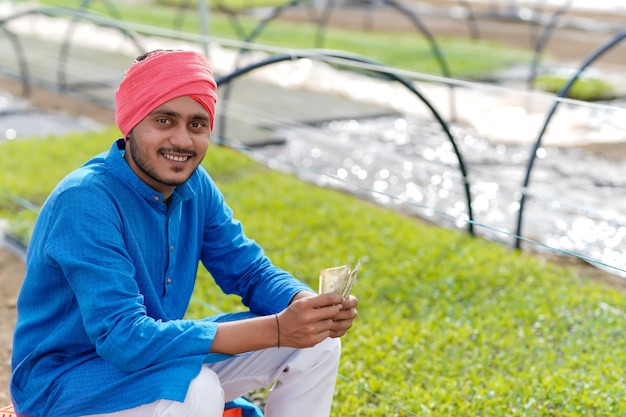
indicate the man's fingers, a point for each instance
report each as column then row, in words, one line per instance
column 323, row 300
column 350, row 302
column 349, row 314
column 323, row 314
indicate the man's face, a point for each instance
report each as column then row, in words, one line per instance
column 167, row 146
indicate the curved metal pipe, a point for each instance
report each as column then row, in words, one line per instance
column 382, row 70
column 562, row 93
column 535, row 22
column 21, row 57
column 234, row 19
column 323, row 23
column 14, row 245
column 271, row 16
column 110, row 6
column 436, row 50
column 324, row 20
column 471, row 19
column 179, row 16
column 543, row 41
column 409, row 14
column 64, row 49
column 256, row 32
column 65, row 45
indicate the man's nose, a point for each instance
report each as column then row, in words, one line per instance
column 180, row 136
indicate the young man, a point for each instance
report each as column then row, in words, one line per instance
column 112, row 264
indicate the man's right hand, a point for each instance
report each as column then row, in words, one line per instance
column 309, row 319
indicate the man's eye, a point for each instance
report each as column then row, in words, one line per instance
column 162, row 120
column 197, row 125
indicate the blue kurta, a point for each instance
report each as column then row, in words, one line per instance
column 109, row 275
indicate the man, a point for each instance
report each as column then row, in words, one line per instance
column 111, row 267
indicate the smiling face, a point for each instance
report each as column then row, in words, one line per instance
column 167, row 146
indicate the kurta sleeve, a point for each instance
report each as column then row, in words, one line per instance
column 238, row 264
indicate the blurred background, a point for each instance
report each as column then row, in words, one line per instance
column 503, row 118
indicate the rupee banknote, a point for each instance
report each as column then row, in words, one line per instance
column 339, row 279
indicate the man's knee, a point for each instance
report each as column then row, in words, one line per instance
column 334, row 350
column 325, row 354
column 205, row 396
column 333, row 347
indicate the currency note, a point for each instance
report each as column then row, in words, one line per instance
column 339, row 279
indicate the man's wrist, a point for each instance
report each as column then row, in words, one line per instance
column 302, row 294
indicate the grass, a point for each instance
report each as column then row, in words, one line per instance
column 587, row 89
column 449, row 325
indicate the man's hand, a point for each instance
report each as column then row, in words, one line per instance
column 311, row 318
column 344, row 318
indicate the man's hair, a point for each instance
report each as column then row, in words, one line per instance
column 144, row 56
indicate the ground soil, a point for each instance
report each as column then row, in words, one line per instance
column 12, row 267
column 11, row 272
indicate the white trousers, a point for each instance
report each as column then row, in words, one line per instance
column 303, row 384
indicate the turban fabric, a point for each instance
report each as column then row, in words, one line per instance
column 159, row 77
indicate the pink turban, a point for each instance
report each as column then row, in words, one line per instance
column 159, row 77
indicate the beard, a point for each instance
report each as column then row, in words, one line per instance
column 141, row 160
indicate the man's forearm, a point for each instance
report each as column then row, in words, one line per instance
column 247, row 335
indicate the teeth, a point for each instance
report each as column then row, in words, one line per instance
column 176, row 158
